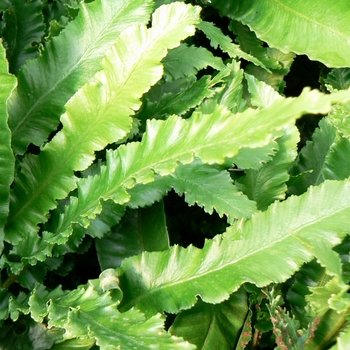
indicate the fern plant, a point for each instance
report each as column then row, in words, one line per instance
column 114, row 111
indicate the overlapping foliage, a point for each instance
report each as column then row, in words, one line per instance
column 111, row 110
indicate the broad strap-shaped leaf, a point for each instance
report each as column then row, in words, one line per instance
column 267, row 248
column 213, row 326
column 90, row 312
column 67, row 63
column 140, row 230
column 24, row 28
column 7, row 161
column 97, row 115
column 300, row 27
column 211, row 137
column 269, row 182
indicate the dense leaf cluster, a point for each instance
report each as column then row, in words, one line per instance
column 160, row 188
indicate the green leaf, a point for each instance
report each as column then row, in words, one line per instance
column 317, row 26
column 105, row 106
column 207, row 186
column 211, row 137
column 275, row 78
column 324, row 157
column 188, row 60
column 262, row 94
column 217, row 38
column 23, row 31
column 7, row 161
column 249, row 43
column 28, row 335
column 213, row 326
column 343, row 341
column 171, row 280
column 339, row 78
column 212, row 189
column 74, row 344
column 90, row 313
column 140, row 230
column 180, row 102
column 269, row 182
column 331, row 303
column 47, row 82
column 309, row 166
column 232, row 94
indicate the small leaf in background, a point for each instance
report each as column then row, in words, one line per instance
column 26, row 334
column 140, row 230
column 213, row 326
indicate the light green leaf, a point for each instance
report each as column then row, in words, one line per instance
column 232, row 95
column 23, row 31
column 74, row 344
column 262, row 94
column 7, row 161
column 301, row 28
column 213, row 326
column 47, row 82
column 254, row 158
column 140, row 230
column 188, row 60
column 211, row 137
column 343, row 341
column 90, row 313
column 269, row 182
column 97, row 115
column 339, row 118
column 325, row 297
column 171, row 280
